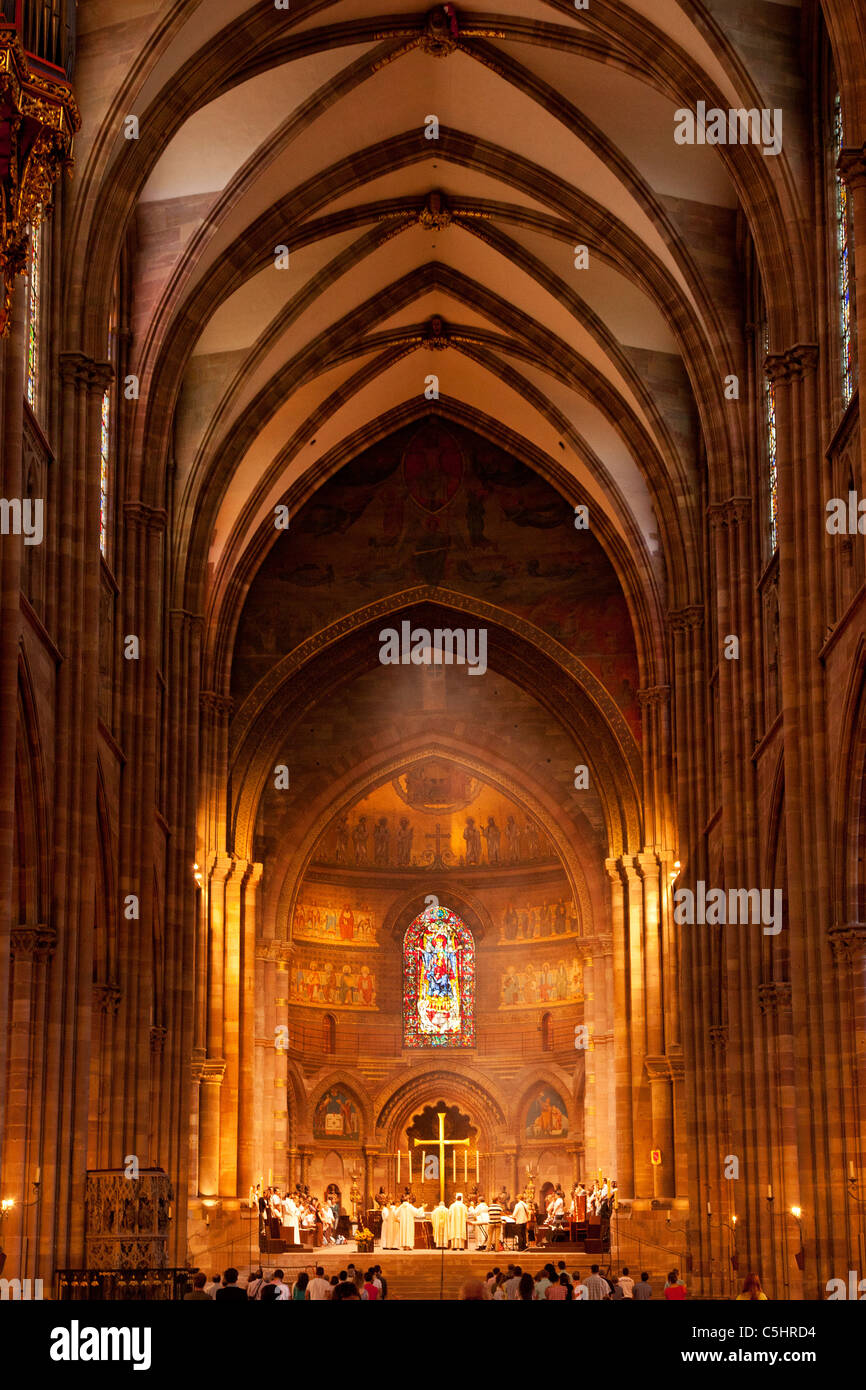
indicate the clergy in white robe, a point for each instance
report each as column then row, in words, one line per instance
column 406, row 1224
column 457, row 1223
column 291, row 1228
column 439, row 1217
column 388, row 1237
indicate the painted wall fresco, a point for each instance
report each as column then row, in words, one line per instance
column 550, row 982
column 338, row 983
column 435, row 504
column 336, row 1116
column 544, row 920
column 547, row 1116
column 334, row 923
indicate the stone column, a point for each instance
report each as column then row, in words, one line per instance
column 852, row 167
column 622, row 1049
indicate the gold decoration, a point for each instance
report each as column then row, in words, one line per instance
column 38, row 119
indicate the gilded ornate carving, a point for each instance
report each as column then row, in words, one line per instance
column 39, row 120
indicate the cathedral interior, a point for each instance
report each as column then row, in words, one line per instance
column 329, row 322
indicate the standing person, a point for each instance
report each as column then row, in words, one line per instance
column 230, row 1291
column 386, row 1238
column 457, row 1223
column 211, row 1288
column 359, row 1285
column 581, row 1293
column 371, row 1287
column 301, row 1292
column 319, row 1289
column 197, row 1292
column 626, row 1283
column 560, row 1290
column 406, row 1224
column 494, row 1225
column 439, row 1217
column 255, row 1283
column 597, row 1288
column 521, row 1220
column 275, row 1290
column 675, row 1289
column 383, row 1282
column 751, row 1290
column 644, row 1289
column 482, row 1219
column 542, row 1284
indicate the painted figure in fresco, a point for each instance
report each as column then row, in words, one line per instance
column 347, row 923
column 366, row 985
column 342, row 835
column 525, row 923
column 493, row 837
column 533, row 845
column 472, row 836
column 511, row 923
column 512, row 837
column 381, row 842
column 359, row 841
column 404, row 843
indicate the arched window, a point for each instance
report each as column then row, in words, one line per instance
column 547, row 1032
column 438, row 981
column 34, row 313
column 329, row 1034
column 844, row 286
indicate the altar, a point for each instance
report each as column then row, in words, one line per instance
column 423, row 1233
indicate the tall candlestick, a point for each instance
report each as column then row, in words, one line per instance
column 465, row 1162
column 410, row 1167
column 398, row 1165
column 454, row 1164
column 477, row 1173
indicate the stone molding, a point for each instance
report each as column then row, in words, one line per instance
column 793, row 364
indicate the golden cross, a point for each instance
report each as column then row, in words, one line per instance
column 440, row 1144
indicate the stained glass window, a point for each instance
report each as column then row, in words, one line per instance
column 438, row 981
column 843, row 266
column 772, row 474
column 104, row 449
column 34, row 286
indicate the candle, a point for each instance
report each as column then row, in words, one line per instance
column 465, row 1162
column 39, row 1175
column 270, row 1177
column 423, row 1164
column 769, row 1193
column 398, row 1165
column 410, row 1167
column 850, row 1170
column 477, row 1174
column 454, row 1164
column 709, row 1210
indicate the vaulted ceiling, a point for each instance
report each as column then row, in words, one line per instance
column 308, row 129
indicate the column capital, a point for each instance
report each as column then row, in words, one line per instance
column 688, row 619
column 106, row 997
column 213, row 703
column 77, row 369
column 732, row 511
column 34, row 943
column 719, row 1039
column 654, row 696
column 158, row 1035
column 774, row 996
column 144, row 518
column 792, row 364
column 848, row 944
column 657, row 1068
column 212, row 1069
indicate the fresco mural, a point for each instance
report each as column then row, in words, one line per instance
column 478, row 521
column 334, row 923
column 547, row 1116
column 337, row 1116
column 341, row 983
column 543, row 921
column 549, row 982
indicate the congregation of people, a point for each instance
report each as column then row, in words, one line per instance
column 367, row 1286
column 283, row 1216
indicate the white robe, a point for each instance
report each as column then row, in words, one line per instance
column 457, row 1224
column 439, row 1217
column 406, row 1214
column 290, row 1220
column 388, row 1232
